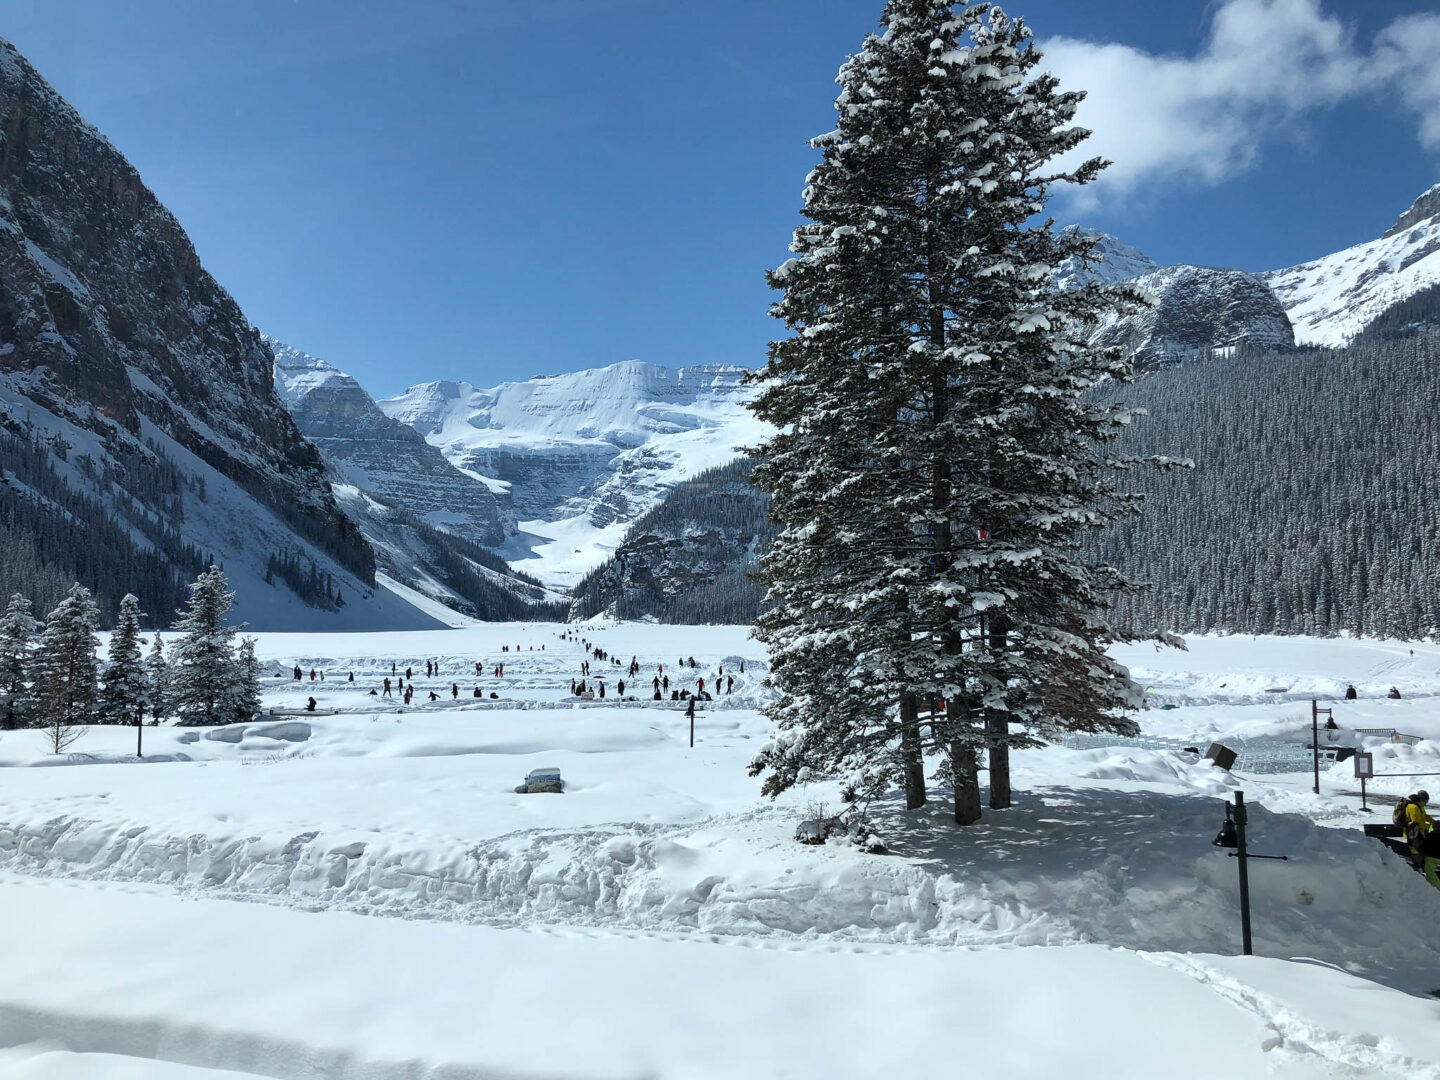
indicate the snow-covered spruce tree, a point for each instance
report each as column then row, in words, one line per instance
column 66, row 683
column 126, row 693
column 202, row 661
column 937, row 459
column 17, row 657
column 243, row 699
column 157, row 678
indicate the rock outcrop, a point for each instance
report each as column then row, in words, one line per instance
column 1197, row 310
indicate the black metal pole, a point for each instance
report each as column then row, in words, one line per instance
column 1244, row 872
column 692, row 729
column 139, row 734
column 1315, row 740
column 1363, row 806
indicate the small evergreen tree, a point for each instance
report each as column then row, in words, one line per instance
column 202, row 660
column 244, row 697
column 125, row 695
column 157, row 677
column 67, row 682
column 17, row 653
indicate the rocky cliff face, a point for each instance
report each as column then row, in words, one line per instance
column 1198, row 309
column 1331, row 299
column 116, row 342
column 384, row 456
column 585, row 454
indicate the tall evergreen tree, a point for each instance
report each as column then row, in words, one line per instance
column 938, row 459
column 17, row 657
column 126, row 693
column 202, row 661
column 67, row 681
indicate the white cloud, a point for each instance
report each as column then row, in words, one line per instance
column 1266, row 65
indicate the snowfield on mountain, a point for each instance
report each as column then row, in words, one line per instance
column 369, row 859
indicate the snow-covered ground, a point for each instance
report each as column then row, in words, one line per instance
column 360, row 892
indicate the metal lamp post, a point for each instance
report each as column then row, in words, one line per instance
column 1232, row 835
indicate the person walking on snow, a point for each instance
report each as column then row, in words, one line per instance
column 387, row 689
column 729, row 683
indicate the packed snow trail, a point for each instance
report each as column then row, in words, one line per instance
column 133, row 973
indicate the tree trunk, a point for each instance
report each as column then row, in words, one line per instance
column 912, row 752
column 966, row 767
column 997, row 729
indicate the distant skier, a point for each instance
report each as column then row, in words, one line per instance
column 409, row 674
column 298, row 673
column 434, row 696
column 729, row 683
column 665, row 682
column 312, row 674
column 387, row 689
column 700, row 685
column 477, row 692
column 454, row 691
column 620, row 688
column 1350, row 694
column 351, row 678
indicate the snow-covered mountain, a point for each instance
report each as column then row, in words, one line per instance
column 585, row 454
column 1117, row 261
column 142, row 434
column 428, row 523
column 384, row 456
column 1331, row 299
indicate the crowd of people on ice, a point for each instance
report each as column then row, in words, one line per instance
column 591, row 686
column 689, row 685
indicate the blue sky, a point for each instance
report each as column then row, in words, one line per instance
column 489, row 191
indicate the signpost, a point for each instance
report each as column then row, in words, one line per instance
column 1315, row 712
column 1364, row 770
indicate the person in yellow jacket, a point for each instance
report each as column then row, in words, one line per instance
column 1423, row 839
